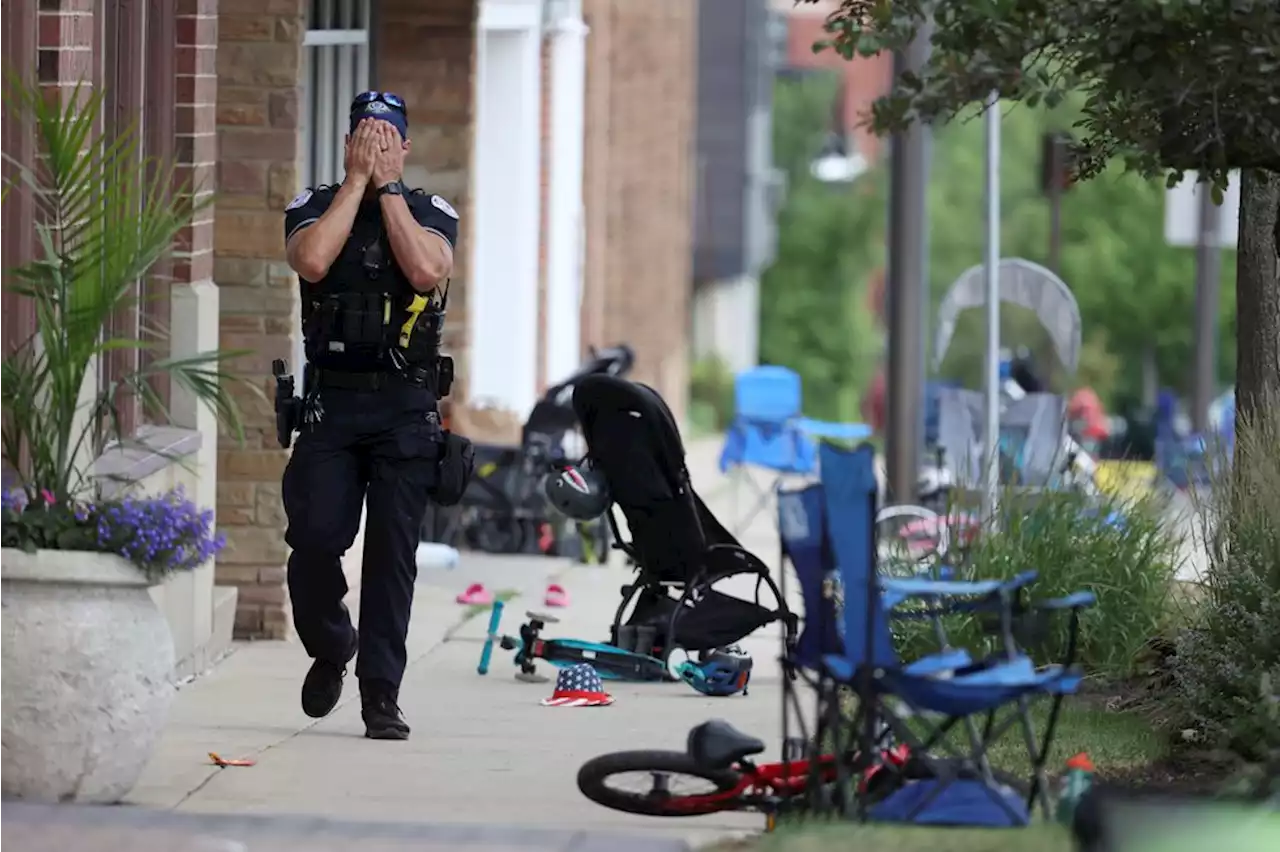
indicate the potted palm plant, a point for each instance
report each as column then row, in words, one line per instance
column 87, row 656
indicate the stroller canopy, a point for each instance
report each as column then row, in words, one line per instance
column 635, row 444
column 1021, row 283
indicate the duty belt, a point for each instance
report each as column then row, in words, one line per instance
column 342, row 380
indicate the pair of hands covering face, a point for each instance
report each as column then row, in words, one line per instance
column 375, row 153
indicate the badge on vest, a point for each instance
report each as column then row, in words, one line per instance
column 443, row 206
column 303, row 198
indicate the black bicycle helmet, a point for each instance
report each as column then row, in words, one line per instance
column 578, row 492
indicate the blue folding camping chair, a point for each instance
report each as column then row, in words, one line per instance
column 769, row 431
column 828, row 531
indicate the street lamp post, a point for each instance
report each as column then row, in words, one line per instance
column 991, row 280
column 907, row 289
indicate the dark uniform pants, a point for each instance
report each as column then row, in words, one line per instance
column 381, row 445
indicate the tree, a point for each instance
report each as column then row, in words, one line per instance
column 1169, row 86
column 813, row 315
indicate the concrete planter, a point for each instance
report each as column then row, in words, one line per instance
column 87, row 663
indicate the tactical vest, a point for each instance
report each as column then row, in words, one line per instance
column 365, row 317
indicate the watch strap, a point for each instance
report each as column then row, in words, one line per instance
column 394, row 188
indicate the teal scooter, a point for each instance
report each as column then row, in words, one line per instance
column 610, row 661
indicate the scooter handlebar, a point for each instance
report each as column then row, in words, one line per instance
column 486, row 653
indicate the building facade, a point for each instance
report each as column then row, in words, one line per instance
column 740, row 46
column 561, row 131
column 507, row 123
column 153, row 63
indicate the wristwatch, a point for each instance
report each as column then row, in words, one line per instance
column 393, row 188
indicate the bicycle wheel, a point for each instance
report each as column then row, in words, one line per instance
column 700, row 791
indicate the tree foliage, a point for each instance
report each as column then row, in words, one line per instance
column 1135, row 292
column 1169, row 84
column 813, row 315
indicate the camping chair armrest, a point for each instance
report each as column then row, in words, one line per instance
column 1075, row 600
column 1072, row 603
column 920, row 587
column 833, row 431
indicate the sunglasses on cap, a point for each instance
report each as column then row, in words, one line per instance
column 390, row 99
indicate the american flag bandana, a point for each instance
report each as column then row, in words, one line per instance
column 578, row 686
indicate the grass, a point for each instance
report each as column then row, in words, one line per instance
column 884, row 838
column 1115, row 741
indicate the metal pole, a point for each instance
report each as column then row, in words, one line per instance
column 906, row 291
column 1208, row 273
column 991, row 262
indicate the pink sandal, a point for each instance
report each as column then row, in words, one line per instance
column 556, row 596
column 475, row 595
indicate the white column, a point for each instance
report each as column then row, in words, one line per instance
column 565, row 204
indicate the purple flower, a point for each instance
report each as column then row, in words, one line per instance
column 159, row 534
column 13, row 499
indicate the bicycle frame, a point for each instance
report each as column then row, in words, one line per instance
column 765, row 787
column 611, row 662
column 769, row 787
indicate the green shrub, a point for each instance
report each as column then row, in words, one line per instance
column 711, row 394
column 1069, row 539
column 1231, row 647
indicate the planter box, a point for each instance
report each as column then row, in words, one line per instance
column 88, row 662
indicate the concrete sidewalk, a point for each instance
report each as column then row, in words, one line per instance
column 484, row 753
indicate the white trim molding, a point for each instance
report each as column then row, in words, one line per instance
column 503, row 300
column 562, row 343
column 510, row 14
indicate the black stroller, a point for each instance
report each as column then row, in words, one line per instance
column 679, row 548
column 503, row 509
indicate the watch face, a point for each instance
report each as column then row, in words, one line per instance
column 393, row 188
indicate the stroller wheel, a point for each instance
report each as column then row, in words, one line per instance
column 497, row 535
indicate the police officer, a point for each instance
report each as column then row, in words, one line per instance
column 373, row 259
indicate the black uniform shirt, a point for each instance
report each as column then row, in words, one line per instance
column 430, row 211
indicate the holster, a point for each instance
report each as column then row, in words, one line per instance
column 454, row 469
column 288, row 405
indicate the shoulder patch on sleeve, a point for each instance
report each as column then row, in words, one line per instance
column 303, row 198
column 443, row 206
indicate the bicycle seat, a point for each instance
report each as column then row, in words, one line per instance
column 717, row 744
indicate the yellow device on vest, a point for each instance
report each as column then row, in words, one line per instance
column 416, row 307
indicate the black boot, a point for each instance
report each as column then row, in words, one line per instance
column 322, row 686
column 382, row 717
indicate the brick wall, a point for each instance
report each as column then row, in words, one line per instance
column 641, row 97
column 66, row 54
column 426, row 54
column 18, row 44
column 195, row 143
column 258, row 61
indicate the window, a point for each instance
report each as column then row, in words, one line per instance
column 138, row 51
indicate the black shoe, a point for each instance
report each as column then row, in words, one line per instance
column 322, row 686
column 382, row 717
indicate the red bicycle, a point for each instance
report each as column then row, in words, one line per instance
column 714, row 774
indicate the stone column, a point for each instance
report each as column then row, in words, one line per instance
column 259, row 60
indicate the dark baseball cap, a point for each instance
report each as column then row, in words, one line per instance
column 381, row 106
